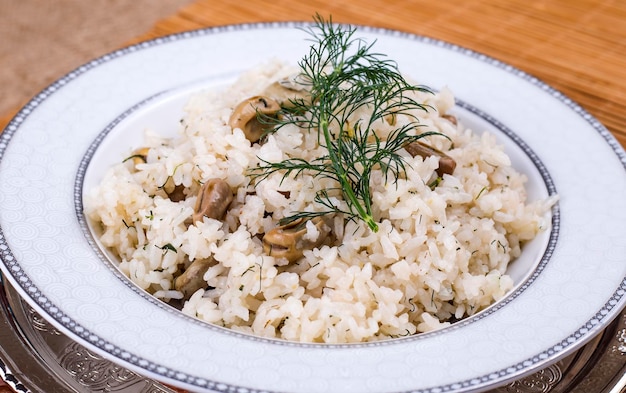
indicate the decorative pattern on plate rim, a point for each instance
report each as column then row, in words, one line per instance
column 475, row 383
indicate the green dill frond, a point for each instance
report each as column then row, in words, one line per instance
column 343, row 75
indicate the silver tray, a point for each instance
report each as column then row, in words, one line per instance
column 36, row 357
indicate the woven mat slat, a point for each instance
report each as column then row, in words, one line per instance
column 172, row 25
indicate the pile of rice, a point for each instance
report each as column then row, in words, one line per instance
column 440, row 253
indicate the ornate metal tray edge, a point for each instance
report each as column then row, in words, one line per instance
column 35, row 357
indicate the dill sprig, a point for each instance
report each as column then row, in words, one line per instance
column 343, row 75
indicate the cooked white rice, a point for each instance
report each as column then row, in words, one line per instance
column 440, row 254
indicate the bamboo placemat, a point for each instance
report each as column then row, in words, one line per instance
column 576, row 46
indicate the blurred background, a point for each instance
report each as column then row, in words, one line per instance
column 41, row 40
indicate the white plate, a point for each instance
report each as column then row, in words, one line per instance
column 64, row 137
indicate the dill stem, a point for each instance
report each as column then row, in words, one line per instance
column 342, row 177
column 349, row 194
